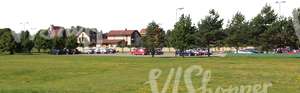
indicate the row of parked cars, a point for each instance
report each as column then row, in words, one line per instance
column 85, row 51
column 100, row 51
column 144, row 51
column 64, row 51
column 158, row 51
column 193, row 52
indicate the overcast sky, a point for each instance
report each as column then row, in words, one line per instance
column 120, row 14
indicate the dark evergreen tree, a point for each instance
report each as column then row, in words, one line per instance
column 154, row 37
column 237, row 32
column 210, row 32
column 7, row 42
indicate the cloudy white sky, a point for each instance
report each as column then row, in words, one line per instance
column 120, row 14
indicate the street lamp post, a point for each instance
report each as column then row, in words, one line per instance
column 24, row 25
column 279, row 4
column 181, row 8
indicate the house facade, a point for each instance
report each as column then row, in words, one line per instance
column 56, row 31
column 143, row 32
column 89, row 38
column 122, row 37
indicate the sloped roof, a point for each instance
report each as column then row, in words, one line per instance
column 120, row 32
column 106, row 41
column 143, row 31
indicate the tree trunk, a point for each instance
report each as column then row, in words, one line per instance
column 152, row 52
column 236, row 50
column 175, row 53
column 181, row 52
column 208, row 49
column 11, row 51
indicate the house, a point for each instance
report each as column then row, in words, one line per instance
column 143, row 32
column 91, row 38
column 117, row 37
column 113, row 43
column 56, row 31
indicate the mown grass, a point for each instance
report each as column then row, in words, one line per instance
column 95, row 74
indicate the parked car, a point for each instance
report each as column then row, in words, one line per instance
column 111, row 51
column 200, row 52
column 185, row 53
column 159, row 52
column 139, row 51
column 294, row 52
column 247, row 51
column 57, row 51
column 282, row 50
column 144, row 51
column 101, row 51
column 91, row 51
column 72, row 51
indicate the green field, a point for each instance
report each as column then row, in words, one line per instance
column 95, row 74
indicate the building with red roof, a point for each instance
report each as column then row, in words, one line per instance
column 143, row 32
column 126, row 37
column 56, row 31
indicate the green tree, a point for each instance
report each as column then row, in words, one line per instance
column 26, row 43
column 237, row 32
column 282, row 34
column 181, row 35
column 296, row 15
column 154, row 37
column 260, row 25
column 71, row 42
column 42, row 42
column 210, row 33
column 167, row 40
column 7, row 42
column 58, row 42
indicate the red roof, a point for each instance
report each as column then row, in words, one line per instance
column 106, row 41
column 56, row 27
column 143, row 31
column 120, row 32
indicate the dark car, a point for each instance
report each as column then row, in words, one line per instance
column 111, row 51
column 64, row 51
column 57, row 51
column 156, row 52
column 184, row 53
column 72, row 51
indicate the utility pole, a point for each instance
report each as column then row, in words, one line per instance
column 177, row 9
column 24, row 25
column 279, row 4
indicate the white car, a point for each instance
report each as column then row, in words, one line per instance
column 91, row 51
column 101, row 51
column 244, row 52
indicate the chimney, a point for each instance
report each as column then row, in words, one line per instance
column 125, row 29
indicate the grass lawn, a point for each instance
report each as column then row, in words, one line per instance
column 95, row 74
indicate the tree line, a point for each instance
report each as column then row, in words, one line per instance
column 266, row 31
column 11, row 43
